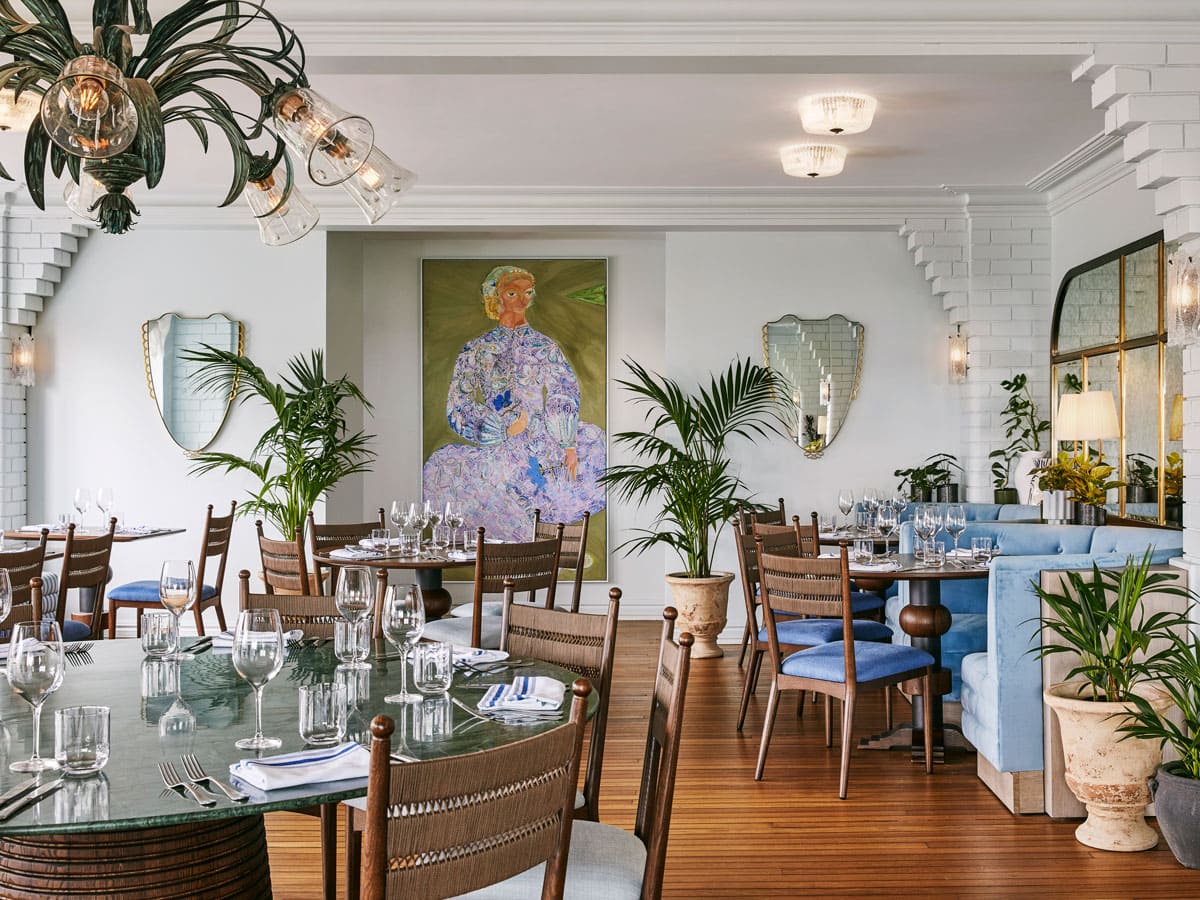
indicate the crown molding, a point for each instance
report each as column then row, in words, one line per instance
column 1103, row 168
column 999, row 200
column 1078, row 159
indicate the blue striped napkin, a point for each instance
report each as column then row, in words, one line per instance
column 348, row 760
column 527, row 692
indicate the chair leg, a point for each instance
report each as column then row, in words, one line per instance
column 748, row 685
column 927, row 695
column 745, row 644
column 220, row 615
column 199, row 619
column 757, row 670
column 887, row 707
column 828, row 720
column 847, row 741
column 329, row 850
column 800, row 705
column 353, row 856
column 768, row 727
column 112, row 620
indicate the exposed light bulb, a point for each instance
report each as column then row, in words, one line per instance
column 280, row 221
column 88, row 111
column 333, row 143
column 377, row 185
column 88, row 100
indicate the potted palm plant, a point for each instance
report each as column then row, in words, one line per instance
column 307, row 448
column 683, row 462
column 1102, row 619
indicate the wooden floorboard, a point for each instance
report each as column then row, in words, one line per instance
column 899, row 834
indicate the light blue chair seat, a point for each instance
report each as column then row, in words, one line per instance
column 147, row 592
column 827, row 662
column 809, row 632
column 458, row 632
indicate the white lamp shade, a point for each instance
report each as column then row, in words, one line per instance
column 1090, row 416
column 813, row 160
column 841, row 113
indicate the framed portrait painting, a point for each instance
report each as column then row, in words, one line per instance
column 514, row 412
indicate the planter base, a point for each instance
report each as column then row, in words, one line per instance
column 1113, row 828
column 702, row 604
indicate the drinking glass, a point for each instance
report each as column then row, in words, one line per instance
column 258, row 657
column 981, row 549
column 410, row 543
column 5, row 595
column 433, row 513
column 81, row 742
column 418, row 520
column 864, row 551
column 922, row 527
column 403, row 621
column 160, row 633
column 433, row 719
column 35, row 671
column 177, row 592
column 454, row 518
column 935, row 554
column 177, row 729
column 83, row 503
column 355, row 591
column 846, row 502
column 887, row 523
column 470, row 539
column 381, row 539
column 352, row 642
column 432, row 667
column 322, row 713
column 956, row 522
column 440, row 539
column 399, row 513
column 104, row 501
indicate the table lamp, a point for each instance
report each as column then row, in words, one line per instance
column 1089, row 416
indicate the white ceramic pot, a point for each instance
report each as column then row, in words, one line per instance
column 1054, row 507
column 702, row 604
column 1108, row 775
column 1022, row 477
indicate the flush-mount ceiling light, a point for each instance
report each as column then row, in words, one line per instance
column 812, row 160
column 842, row 113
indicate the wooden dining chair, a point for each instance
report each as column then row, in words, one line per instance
column 330, row 536
column 26, row 606
column 23, row 567
column 583, row 643
column 85, row 565
column 142, row 595
column 779, row 539
column 747, row 516
column 820, row 588
column 283, row 565
column 573, row 552
column 314, row 614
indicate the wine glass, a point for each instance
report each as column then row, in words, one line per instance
column 886, row 520
column 922, row 526
column 258, row 657
column 455, row 519
column 104, row 501
column 956, row 522
column 399, row 513
column 177, row 593
column 846, row 502
column 83, row 503
column 354, row 593
column 419, row 519
column 35, row 671
column 403, row 621
column 5, row 594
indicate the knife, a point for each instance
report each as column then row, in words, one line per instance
column 18, row 791
column 40, row 794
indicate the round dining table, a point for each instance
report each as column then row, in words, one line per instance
column 427, row 570
column 123, row 833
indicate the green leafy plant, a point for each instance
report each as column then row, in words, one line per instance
column 683, row 455
column 1023, row 428
column 1173, row 476
column 1102, row 619
column 936, row 471
column 1140, row 471
column 305, row 451
column 1177, row 672
column 1087, row 477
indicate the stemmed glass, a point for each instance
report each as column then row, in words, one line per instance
column 83, row 503
column 886, row 520
column 104, row 502
column 258, row 657
column 354, row 593
column 419, row 518
column 35, row 671
column 923, row 527
column 403, row 621
column 5, row 595
column 455, row 519
column 177, row 593
column 399, row 513
column 956, row 522
column 846, row 502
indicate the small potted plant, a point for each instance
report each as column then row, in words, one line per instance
column 1101, row 619
column 1093, row 481
column 1023, row 430
column 930, row 480
column 1173, row 488
column 1141, row 479
column 1056, row 479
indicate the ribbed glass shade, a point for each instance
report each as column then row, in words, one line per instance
column 16, row 114
column 1183, row 300
column 280, row 224
column 957, row 360
column 333, row 144
column 813, row 160
column 87, row 111
column 80, row 198
column 843, row 113
column 377, row 186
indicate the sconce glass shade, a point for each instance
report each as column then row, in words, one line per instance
column 17, row 113
column 280, row 222
column 812, row 160
column 81, row 198
column 841, row 113
column 88, row 112
column 22, row 360
column 1090, row 416
column 1183, row 299
column 377, row 186
column 957, row 358
column 333, row 143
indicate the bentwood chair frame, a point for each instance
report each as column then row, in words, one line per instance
column 28, row 610
column 449, row 826
column 329, row 536
column 747, row 518
column 23, row 567
column 85, row 565
column 529, row 566
column 572, row 553
column 583, row 643
column 283, row 563
column 821, row 587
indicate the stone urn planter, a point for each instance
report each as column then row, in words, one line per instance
column 1177, row 805
column 702, row 604
column 1108, row 775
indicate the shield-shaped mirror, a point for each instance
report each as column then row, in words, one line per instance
column 193, row 417
column 820, row 360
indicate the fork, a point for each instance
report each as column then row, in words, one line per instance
column 172, row 780
column 196, row 774
column 78, row 647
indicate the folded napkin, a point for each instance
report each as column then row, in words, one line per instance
column 4, row 647
column 461, row 555
column 348, row 760
column 888, row 566
column 368, row 544
column 960, row 553
column 223, row 642
column 476, row 655
column 37, row 529
column 535, row 692
column 354, row 553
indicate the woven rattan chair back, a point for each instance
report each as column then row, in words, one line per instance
column 572, row 553
column 330, row 536
column 214, row 544
column 748, row 517
column 529, row 566
column 24, row 566
column 29, row 610
column 313, row 614
column 449, row 826
column 583, row 643
column 85, row 565
column 284, row 567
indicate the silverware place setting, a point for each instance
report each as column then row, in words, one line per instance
column 172, row 780
column 197, row 775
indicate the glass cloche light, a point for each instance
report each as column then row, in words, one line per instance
column 81, row 198
column 88, row 111
column 841, row 113
column 280, row 221
column 333, row 143
column 378, row 184
column 812, row 160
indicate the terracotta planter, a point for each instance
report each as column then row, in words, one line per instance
column 1107, row 774
column 702, row 604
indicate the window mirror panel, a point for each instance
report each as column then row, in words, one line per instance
column 821, row 362
column 1141, row 428
column 192, row 417
column 1090, row 311
column 1172, row 480
column 1141, row 293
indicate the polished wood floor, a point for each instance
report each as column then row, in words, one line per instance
column 899, row 834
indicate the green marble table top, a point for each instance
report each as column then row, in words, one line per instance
column 162, row 709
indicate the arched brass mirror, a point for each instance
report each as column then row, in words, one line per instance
column 821, row 361
column 192, row 417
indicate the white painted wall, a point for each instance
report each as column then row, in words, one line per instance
column 91, row 419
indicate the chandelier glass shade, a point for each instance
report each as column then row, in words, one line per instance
column 812, row 160
column 102, row 104
column 842, row 113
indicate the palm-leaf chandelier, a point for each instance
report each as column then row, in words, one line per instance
column 100, row 110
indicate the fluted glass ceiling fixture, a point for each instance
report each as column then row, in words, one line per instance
column 97, row 111
column 840, row 113
column 813, row 160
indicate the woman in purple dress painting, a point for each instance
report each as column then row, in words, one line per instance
column 514, row 400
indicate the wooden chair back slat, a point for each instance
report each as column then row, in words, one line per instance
column 283, row 563
column 23, row 566
column 749, row 518
column 323, row 537
column 315, row 615
column 85, row 565
column 572, row 553
column 214, row 542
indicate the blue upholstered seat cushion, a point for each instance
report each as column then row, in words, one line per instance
column 871, row 661
column 864, row 601
column 75, row 631
column 458, row 632
column 809, row 632
column 147, row 592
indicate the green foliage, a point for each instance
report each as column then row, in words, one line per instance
column 1023, row 428
column 305, row 451
column 1087, row 478
column 683, row 458
column 1176, row 671
column 1173, row 476
column 1112, row 637
column 595, row 295
column 937, row 470
column 1141, row 471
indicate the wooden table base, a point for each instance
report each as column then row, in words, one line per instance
column 222, row 858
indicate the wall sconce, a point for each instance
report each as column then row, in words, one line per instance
column 1183, row 299
column 22, row 360
column 958, row 356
